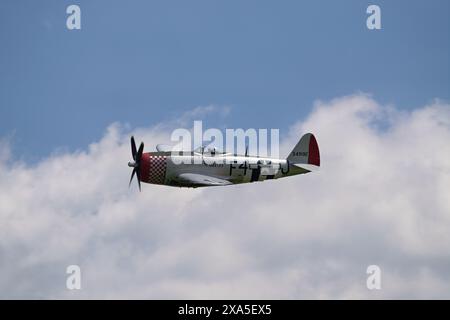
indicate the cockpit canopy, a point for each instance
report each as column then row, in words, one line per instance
column 209, row 151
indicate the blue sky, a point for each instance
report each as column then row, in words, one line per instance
column 143, row 62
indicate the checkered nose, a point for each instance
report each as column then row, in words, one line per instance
column 153, row 168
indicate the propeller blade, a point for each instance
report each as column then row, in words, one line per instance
column 139, row 153
column 132, row 176
column 138, row 179
column 133, row 148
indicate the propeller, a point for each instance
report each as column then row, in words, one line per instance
column 136, row 161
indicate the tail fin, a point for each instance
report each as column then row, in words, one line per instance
column 306, row 151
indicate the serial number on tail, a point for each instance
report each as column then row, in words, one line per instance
column 299, row 154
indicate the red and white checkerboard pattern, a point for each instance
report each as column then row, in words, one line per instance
column 157, row 169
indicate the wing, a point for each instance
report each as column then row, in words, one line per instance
column 200, row 180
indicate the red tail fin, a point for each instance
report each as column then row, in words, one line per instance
column 306, row 151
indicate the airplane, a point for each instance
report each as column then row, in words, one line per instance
column 208, row 168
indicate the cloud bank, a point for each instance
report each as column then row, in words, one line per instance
column 381, row 197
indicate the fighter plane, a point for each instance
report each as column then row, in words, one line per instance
column 208, row 168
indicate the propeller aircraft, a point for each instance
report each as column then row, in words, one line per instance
column 207, row 168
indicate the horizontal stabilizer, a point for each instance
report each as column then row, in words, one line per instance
column 309, row 167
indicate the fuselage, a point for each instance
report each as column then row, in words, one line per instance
column 166, row 167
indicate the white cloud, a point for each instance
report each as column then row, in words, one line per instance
column 381, row 197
